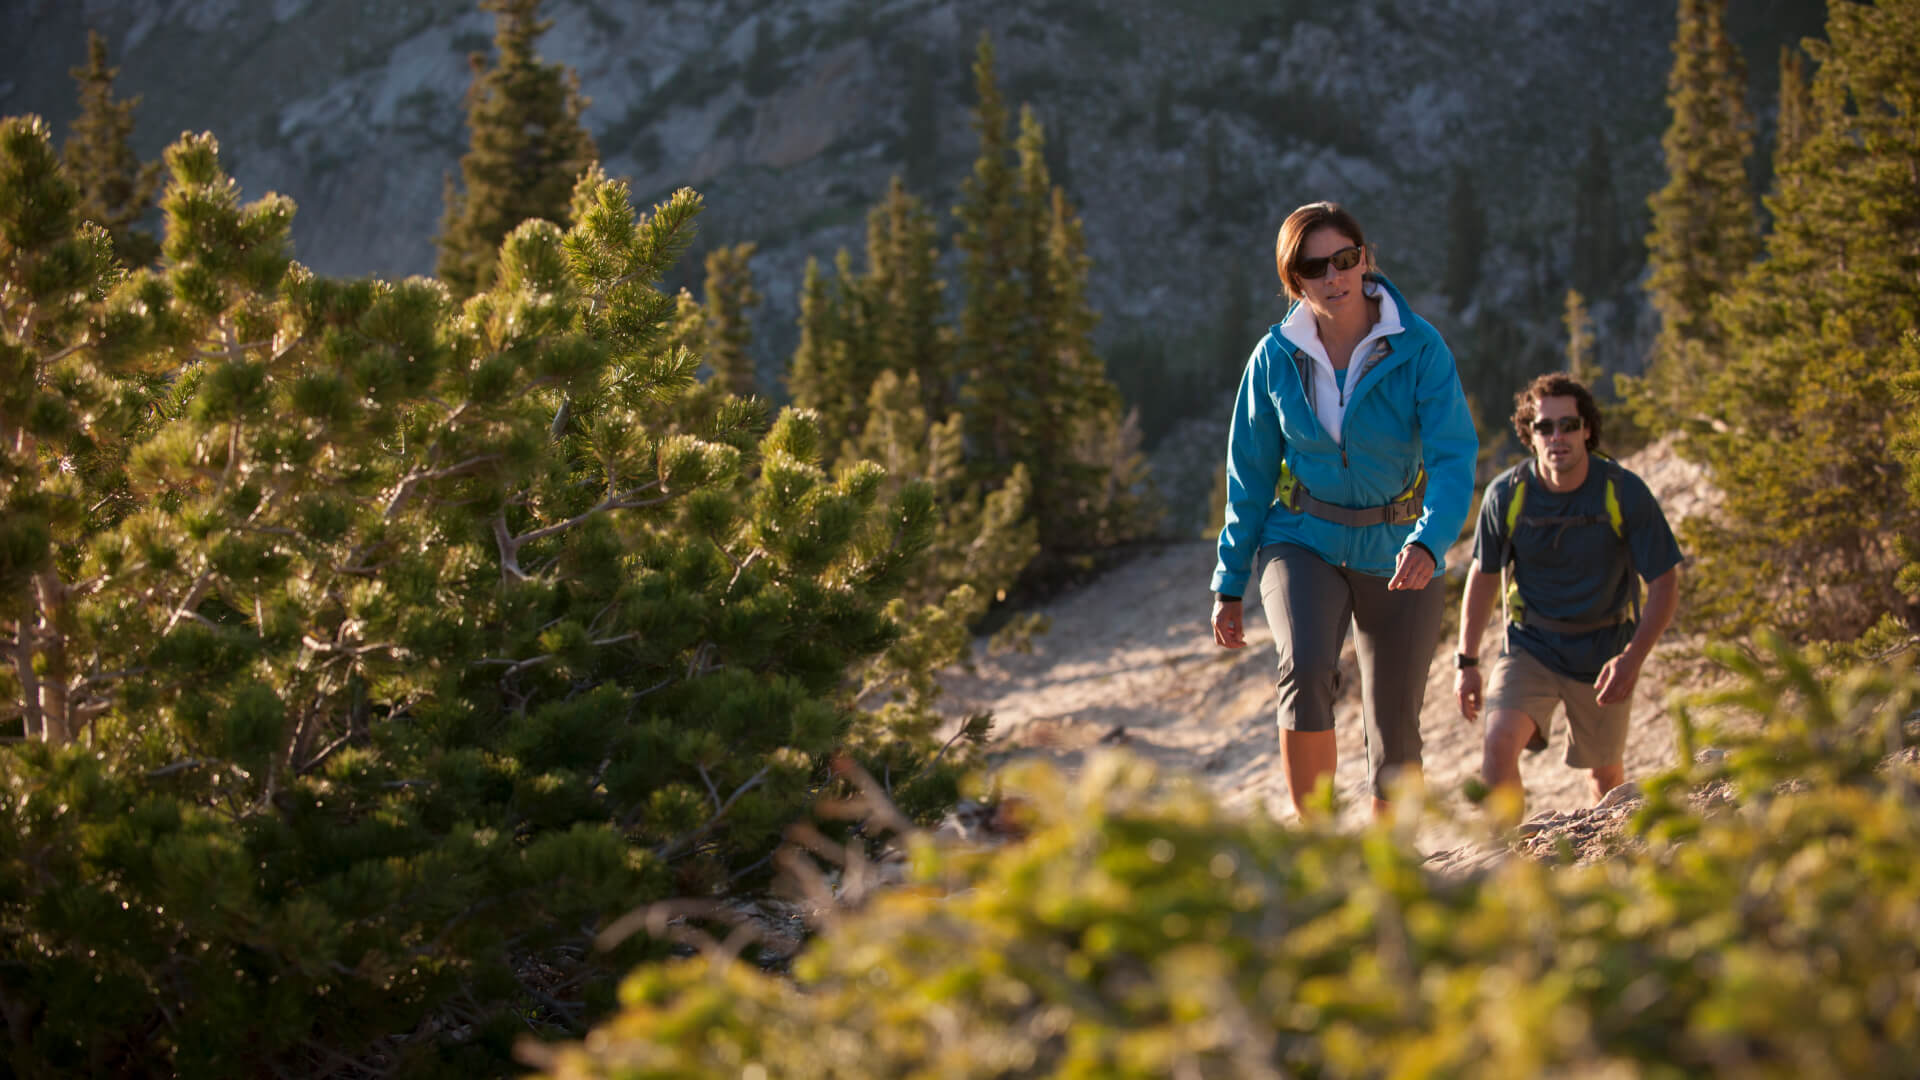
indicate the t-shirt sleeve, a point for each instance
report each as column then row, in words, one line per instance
column 1490, row 530
column 1650, row 539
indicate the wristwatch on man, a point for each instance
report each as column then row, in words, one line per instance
column 1461, row 661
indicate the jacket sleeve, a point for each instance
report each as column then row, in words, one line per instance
column 1255, row 449
column 1449, row 447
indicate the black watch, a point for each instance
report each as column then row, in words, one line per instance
column 1461, row 661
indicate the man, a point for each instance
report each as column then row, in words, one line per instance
column 1569, row 530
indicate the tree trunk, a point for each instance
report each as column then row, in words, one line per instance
column 29, row 682
column 55, row 713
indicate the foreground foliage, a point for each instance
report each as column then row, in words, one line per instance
column 1140, row 931
column 376, row 650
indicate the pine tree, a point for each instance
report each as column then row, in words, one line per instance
column 1795, row 120
column 729, row 295
column 1037, row 393
column 394, row 696
column 527, row 148
column 1704, row 224
column 116, row 188
column 1466, row 241
column 817, row 375
column 1597, row 254
column 1579, row 324
column 991, row 315
column 1906, row 451
column 908, row 298
column 1815, row 504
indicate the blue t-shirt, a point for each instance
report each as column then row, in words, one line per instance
column 1575, row 573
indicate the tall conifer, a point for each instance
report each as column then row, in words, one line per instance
column 527, row 147
column 1037, row 392
column 1704, row 229
column 116, row 188
column 1579, row 325
column 1817, row 341
column 729, row 294
column 907, row 296
column 990, row 230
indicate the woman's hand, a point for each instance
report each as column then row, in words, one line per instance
column 1228, row 630
column 1413, row 570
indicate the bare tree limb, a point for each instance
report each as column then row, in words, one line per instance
column 669, row 850
column 185, row 607
column 625, row 501
column 404, row 491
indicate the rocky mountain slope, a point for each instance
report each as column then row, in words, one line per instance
column 1184, row 130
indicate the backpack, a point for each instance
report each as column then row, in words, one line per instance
column 1509, row 566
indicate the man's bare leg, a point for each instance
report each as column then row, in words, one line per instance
column 1608, row 777
column 1508, row 731
column 1306, row 756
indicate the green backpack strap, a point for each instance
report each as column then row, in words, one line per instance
column 1509, row 576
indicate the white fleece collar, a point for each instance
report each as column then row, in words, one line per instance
column 1300, row 328
column 1329, row 397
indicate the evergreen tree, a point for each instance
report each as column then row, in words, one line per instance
column 1704, row 225
column 1795, row 119
column 1597, row 250
column 394, row 697
column 1579, row 324
column 907, row 298
column 1816, row 507
column 1037, row 392
column 116, row 188
column 1906, row 451
column 818, row 375
column 730, row 293
column 991, row 316
column 1466, row 241
column 527, row 148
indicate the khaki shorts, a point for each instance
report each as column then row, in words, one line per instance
column 1596, row 734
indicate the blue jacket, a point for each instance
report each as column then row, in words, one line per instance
column 1404, row 407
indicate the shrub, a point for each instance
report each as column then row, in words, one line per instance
column 1139, row 930
column 379, row 650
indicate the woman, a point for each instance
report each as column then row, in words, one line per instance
column 1349, row 472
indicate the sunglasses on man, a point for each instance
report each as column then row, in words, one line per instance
column 1566, row 425
column 1313, row 269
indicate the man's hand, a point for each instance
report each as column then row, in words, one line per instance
column 1413, row 569
column 1466, row 688
column 1228, row 631
column 1617, row 679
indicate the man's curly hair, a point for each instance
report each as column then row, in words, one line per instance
column 1555, row 384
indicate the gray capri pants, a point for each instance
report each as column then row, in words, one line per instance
column 1307, row 602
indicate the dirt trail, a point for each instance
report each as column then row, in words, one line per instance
column 1130, row 659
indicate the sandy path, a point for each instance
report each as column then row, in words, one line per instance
column 1130, row 659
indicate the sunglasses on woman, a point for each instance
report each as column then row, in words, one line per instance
column 1566, row 425
column 1313, row 269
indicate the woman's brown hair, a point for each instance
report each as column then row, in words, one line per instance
column 1299, row 225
